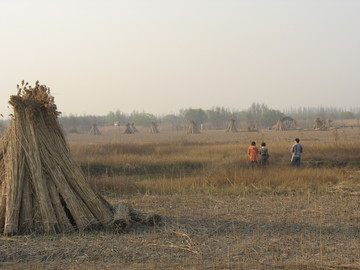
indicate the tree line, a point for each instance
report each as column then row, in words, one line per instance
column 257, row 114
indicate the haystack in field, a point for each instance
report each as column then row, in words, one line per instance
column 94, row 130
column 285, row 123
column 42, row 190
column 135, row 130
column 128, row 129
column 252, row 128
column 232, row 126
column 153, row 128
column 193, row 128
column 322, row 124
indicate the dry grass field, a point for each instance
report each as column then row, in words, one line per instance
column 217, row 213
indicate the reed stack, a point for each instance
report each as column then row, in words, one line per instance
column 42, row 189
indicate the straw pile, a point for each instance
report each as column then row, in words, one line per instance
column 193, row 128
column 124, row 214
column 129, row 129
column 94, row 130
column 154, row 129
column 232, row 126
column 42, row 190
column 135, row 130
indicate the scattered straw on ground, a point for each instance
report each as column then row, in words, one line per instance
column 305, row 231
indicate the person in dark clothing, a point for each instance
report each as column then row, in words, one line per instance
column 264, row 154
column 296, row 151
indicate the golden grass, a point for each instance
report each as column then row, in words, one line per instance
column 215, row 162
column 229, row 182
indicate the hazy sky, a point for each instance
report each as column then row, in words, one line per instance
column 159, row 56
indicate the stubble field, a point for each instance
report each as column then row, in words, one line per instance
column 217, row 213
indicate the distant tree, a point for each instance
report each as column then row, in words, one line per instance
column 218, row 117
column 321, row 115
column 171, row 119
column 110, row 117
column 121, row 117
column 270, row 117
column 117, row 116
column 69, row 122
column 198, row 115
column 346, row 115
column 239, row 115
column 254, row 112
column 142, row 119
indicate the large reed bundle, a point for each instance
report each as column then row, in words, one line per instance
column 42, row 190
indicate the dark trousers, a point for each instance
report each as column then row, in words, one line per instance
column 295, row 162
column 264, row 160
column 252, row 164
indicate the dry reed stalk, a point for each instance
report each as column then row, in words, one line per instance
column 121, row 217
column 40, row 185
column 124, row 213
column 14, row 166
column 38, row 223
column 27, row 211
column 72, row 173
column 149, row 219
column 61, row 215
column 2, row 206
column 81, row 215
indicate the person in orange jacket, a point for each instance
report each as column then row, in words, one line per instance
column 253, row 153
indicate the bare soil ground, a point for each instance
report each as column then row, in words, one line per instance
column 290, row 231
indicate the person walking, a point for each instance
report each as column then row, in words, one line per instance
column 264, row 154
column 296, row 151
column 253, row 152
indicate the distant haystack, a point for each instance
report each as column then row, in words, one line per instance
column 94, row 130
column 135, row 130
column 232, row 126
column 193, row 128
column 285, row 123
column 321, row 124
column 128, row 129
column 252, row 128
column 153, row 128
